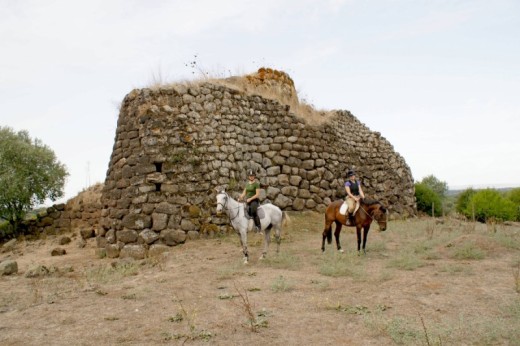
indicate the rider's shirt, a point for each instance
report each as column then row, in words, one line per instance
column 354, row 186
column 251, row 188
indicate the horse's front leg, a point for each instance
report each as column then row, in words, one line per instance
column 243, row 242
column 337, row 231
column 358, row 234
column 365, row 235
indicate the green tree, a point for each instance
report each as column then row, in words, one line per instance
column 29, row 174
column 463, row 200
column 437, row 186
column 489, row 203
column 425, row 197
column 514, row 196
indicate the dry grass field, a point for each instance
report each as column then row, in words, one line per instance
column 421, row 283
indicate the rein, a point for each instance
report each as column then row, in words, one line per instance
column 366, row 212
column 224, row 206
column 370, row 216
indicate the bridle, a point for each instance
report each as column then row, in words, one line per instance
column 224, row 206
column 370, row 216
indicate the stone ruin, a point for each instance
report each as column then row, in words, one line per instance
column 175, row 144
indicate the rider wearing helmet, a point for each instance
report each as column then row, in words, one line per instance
column 354, row 193
column 252, row 193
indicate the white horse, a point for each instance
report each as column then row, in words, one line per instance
column 271, row 217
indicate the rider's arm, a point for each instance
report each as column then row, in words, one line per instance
column 361, row 193
column 347, row 190
column 241, row 197
column 256, row 195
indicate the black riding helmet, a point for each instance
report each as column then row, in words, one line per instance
column 350, row 173
column 251, row 173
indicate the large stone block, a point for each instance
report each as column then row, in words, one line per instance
column 127, row 236
column 173, row 237
column 136, row 221
column 135, row 251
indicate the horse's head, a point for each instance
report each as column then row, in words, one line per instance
column 380, row 214
column 222, row 200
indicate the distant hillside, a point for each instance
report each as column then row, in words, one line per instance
column 455, row 192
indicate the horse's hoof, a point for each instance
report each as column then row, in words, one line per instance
column 262, row 257
column 341, row 251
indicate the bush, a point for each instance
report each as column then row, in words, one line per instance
column 489, row 203
column 463, row 200
column 514, row 196
column 425, row 197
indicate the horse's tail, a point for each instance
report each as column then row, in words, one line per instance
column 285, row 219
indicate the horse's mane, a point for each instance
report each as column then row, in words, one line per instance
column 369, row 201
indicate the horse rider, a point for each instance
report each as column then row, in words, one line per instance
column 354, row 193
column 252, row 193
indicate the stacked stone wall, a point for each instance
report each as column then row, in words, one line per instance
column 174, row 145
column 81, row 213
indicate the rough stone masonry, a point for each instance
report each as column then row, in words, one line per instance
column 175, row 144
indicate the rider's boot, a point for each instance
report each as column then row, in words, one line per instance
column 258, row 227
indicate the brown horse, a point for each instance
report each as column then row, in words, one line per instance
column 368, row 211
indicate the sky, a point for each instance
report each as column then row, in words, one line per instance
column 440, row 80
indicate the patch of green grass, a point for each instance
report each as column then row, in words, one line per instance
column 177, row 318
column 281, row 284
column 283, row 260
column 509, row 241
column 322, row 285
column 337, row 265
column 228, row 272
column 468, row 251
column 130, row 296
column 403, row 332
column 377, row 246
column 455, row 269
column 406, row 260
column 106, row 274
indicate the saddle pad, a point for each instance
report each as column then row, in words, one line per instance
column 260, row 212
column 343, row 208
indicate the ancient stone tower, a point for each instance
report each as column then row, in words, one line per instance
column 175, row 144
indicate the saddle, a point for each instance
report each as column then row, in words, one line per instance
column 259, row 211
column 344, row 207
